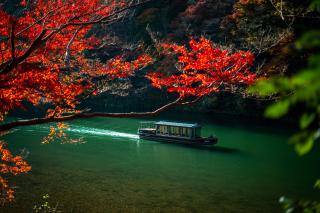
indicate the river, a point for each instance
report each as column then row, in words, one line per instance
column 114, row 171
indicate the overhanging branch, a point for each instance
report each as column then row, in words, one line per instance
column 29, row 122
column 197, row 99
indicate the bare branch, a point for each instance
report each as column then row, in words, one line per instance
column 8, row 126
column 280, row 11
column 193, row 101
column 104, row 18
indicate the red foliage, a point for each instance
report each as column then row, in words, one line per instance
column 42, row 60
column 45, row 44
column 10, row 165
column 13, row 165
column 204, row 69
column 119, row 68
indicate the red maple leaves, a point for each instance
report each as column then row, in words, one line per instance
column 42, row 60
column 13, row 165
column 42, row 52
column 120, row 68
column 204, row 69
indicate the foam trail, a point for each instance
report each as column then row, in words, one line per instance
column 95, row 131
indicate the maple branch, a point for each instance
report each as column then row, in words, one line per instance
column 193, row 101
column 100, row 20
column 67, row 54
column 9, row 65
column 12, row 40
column 108, row 16
column 1, row 52
column 29, row 122
column 39, row 20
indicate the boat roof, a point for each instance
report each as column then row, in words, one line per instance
column 180, row 124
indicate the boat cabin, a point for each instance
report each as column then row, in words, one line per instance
column 186, row 130
column 174, row 132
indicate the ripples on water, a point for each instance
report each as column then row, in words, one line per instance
column 246, row 172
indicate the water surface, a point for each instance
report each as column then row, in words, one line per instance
column 114, row 171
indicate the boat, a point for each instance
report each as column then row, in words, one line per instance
column 174, row 132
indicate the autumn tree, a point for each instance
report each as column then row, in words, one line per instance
column 204, row 68
column 43, row 61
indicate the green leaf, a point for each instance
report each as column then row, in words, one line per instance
column 315, row 5
column 303, row 78
column 263, row 88
column 278, row 109
column 285, row 202
column 314, row 62
column 306, row 119
column 317, row 184
column 309, row 40
column 303, row 142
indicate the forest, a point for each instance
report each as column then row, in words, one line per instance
column 77, row 78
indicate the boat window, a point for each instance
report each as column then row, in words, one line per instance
column 184, row 132
column 178, row 131
column 174, row 130
column 163, row 129
column 189, row 132
column 198, row 132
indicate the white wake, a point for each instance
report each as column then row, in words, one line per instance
column 102, row 132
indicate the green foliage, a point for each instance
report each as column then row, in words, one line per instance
column 44, row 206
column 317, row 184
column 263, row 88
column 309, row 40
column 272, row 86
column 303, row 142
column 300, row 92
column 315, row 5
column 302, row 206
column 306, row 119
column 277, row 109
column 314, row 61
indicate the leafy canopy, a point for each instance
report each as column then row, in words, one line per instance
column 43, row 61
column 204, row 69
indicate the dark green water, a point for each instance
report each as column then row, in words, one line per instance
column 114, row 171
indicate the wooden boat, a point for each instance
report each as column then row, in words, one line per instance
column 174, row 132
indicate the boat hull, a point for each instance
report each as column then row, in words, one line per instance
column 178, row 140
